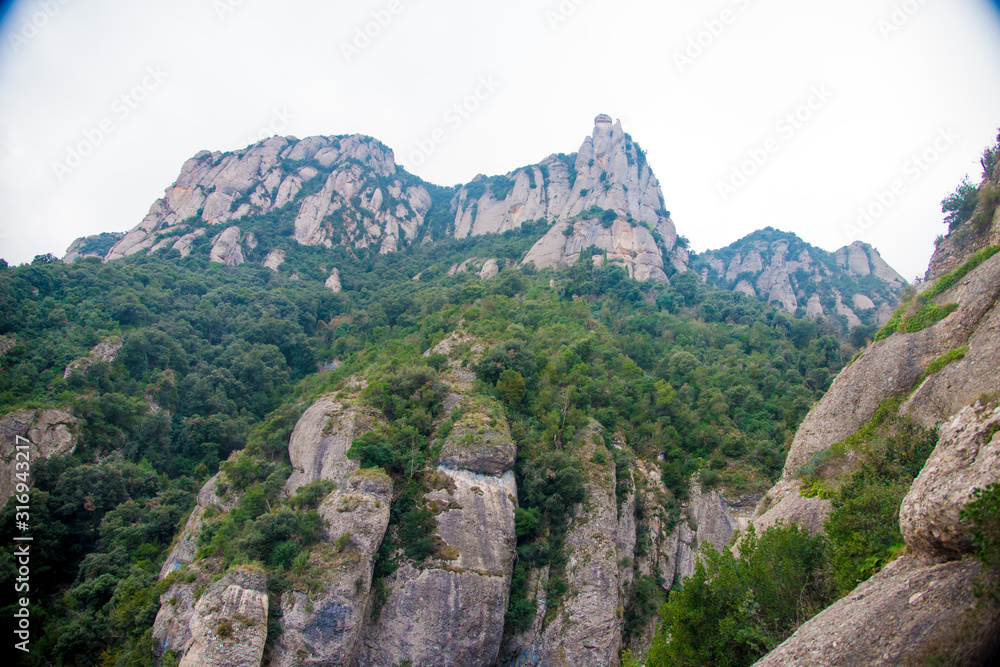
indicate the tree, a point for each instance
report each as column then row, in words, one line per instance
column 511, row 386
column 960, row 204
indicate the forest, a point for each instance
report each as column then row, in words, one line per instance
column 217, row 363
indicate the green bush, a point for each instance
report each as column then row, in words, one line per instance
column 737, row 608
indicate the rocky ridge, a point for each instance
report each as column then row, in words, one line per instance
column 853, row 284
column 922, row 606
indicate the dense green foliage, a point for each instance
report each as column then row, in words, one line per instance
column 960, row 204
column 218, row 360
column 735, row 608
column 983, row 512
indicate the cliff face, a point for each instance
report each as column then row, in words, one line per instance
column 335, row 190
column 45, row 432
column 853, row 284
column 609, row 173
column 922, row 605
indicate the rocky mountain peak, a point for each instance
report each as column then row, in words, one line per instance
column 332, row 190
column 853, row 284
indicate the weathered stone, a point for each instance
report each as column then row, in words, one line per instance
column 318, row 445
column 107, row 351
column 274, row 259
column 323, row 627
column 226, row 247
column 333, row 282
column 45, row 432
column 967, row 457
column 229, row 625
column 480, row 442
column 905, row 614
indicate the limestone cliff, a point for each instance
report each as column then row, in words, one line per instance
column 229, row 625
column 922, row 607
column 450, row 610
column 45, row 432
column 853, row 284
column 342, row 190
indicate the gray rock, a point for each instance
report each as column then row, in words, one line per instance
column 226, row 247
column 229, row 625
column 45, row 432
column 274, row 259
column 967, row 457
column 480, row 442
column 323, row 627
column 902, row 615
column 107, row 351
column 333, row 282
column 451, row 613
column 318, row 445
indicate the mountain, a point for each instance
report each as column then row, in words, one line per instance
column 377, row 445
column 931, row 371
column 853, row 285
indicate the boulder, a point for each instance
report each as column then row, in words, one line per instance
column 229, row 626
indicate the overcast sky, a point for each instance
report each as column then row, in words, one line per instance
column 790, row 113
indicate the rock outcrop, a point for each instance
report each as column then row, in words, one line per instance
column 967, row 457
column 921, row 608
column 226, row 247
column 323, row 627
column 333, row 282
column 107, row 350
column 229, row 625
column 318, row 445
column 45, row 432
column 632, row 246
column 91, row 246
column 902, row 615
column 450, row 610
column 608, row 173
column 778, row 267
column 334, row 191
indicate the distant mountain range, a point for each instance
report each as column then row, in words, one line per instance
column 348, row 191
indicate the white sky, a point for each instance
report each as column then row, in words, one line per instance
column 231, row 69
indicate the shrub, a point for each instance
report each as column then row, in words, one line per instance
column 737, row 608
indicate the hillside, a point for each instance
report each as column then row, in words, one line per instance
column 853, row 286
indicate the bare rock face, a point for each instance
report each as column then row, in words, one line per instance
column 633, row 247
column 778, row 267
column 226, row 247
column 609, row 172
column 6, row 343
column 902, row 615
column 480, row 442
column 450, row 610
column 229, row 626
column 967, row 457
column 333, row 282
column 107, row 350
column 586, row 629
column 223, row 188
column 318, row 445
column 274, row 259
column 960, row 383
column 323, row 627
column 46, row 432
column 91, row 246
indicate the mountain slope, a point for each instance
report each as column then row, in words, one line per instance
column 853, row 285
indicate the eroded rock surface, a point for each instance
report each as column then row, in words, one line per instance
column 322, row 627
column 318, row 445
column 45, row 432
column 229, row 625
column 107, row 350
column 967, row 457
column 902, row 615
